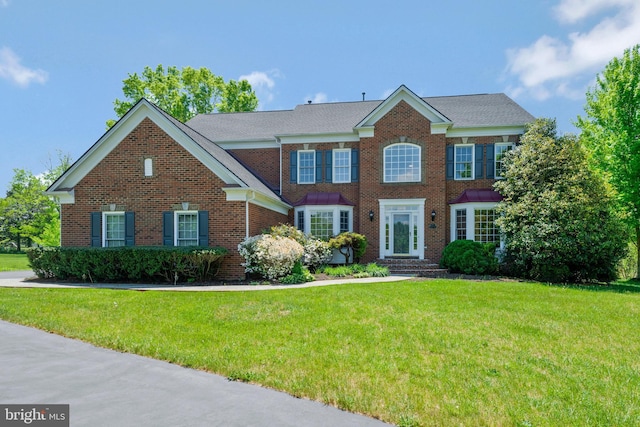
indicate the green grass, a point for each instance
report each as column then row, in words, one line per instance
column 14, row 262
column 432, row 352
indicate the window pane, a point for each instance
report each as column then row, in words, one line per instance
column 344, row 221
column 306, row 167
column 187, row 229
column 322, row 224
column 114, row 230
column 402, row 163
column 301, row 221
column 464, row 162
column 341, row 165
column 461, row 224
column 485, row 228
column 501, row 150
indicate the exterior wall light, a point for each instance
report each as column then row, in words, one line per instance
column 433, row 215
column 371, row 215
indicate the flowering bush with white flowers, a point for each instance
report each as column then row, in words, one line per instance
column 316, row 253
column 270, row 256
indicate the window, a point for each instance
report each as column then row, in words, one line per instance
column 464, row 161
column 461, row 224
column 501, row 150
column 324, row 222
column 186, row 229
column 148, row 167
column 344, row 221
column 342, row 165
column 485, row 230
column 306, row 167
column 402, row 163
column 114, row 229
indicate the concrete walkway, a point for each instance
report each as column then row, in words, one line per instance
column 26, row 279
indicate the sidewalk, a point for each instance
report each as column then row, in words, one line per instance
column 26, row 279
column 107, row 388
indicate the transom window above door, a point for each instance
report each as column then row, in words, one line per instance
column 402, row 163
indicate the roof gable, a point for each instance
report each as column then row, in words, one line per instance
column 216, row 159
column 439, row 122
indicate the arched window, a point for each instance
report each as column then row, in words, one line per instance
column 402, row 163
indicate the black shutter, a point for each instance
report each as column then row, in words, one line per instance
column 167, row 228
column 355, row 165
column 96, row 229
column 293, row 167
column 449, row 162
column 479, row 160
column 129, row 229
column 328, row 166
column 318, row 166
column 203, row 228
column 491, row 161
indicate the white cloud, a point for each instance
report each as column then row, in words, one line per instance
column 318, row 98
column 12, row 70
column 263, row 83
column 4, row 3
column 550, row 66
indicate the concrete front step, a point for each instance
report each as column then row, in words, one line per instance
column 412, row 267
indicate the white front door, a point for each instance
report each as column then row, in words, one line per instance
column 402, row 228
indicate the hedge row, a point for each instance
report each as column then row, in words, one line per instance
column 129, row 264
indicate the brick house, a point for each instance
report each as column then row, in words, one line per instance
column 410, row 173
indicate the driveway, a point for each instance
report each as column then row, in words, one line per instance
column 107, row 388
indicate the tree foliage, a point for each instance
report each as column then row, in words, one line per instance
column 557, row 216
column 611, row 131
column 185, row 93
column 27, row 214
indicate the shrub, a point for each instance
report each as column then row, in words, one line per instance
column 270, row 256
column 469, row 257
column 316, row 251
column 299, row 274
column 348, row 243
column 133, row 264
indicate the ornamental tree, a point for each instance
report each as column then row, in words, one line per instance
column 611, row 133
column 557, row 215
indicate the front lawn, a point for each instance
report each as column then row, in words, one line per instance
column 14, row 262
column 429, row 352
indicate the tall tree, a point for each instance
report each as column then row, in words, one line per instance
column 185, row 93
column 558, row 222
column 611, row 132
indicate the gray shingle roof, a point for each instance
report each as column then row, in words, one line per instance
column 341, row 117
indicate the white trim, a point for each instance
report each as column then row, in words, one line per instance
column 471, row 221
column 386, row 208
column 104, row 226
column 313, row 167
column 495, row 156
column 384, row 162
column 175, row 225
column 333, row 165
column 318, row 138
column 249, row 144
column 485, row 131
column 237, row 194
column 334, row 209
column 455, row 162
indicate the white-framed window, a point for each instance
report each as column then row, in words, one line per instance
column 501, row 149
column 475, row 221
column 306, row 167
column 463, row 161
column 113, row 230
column 148, row 167
column 402, row 163
column 324, row 222
column 186, row 228
column 341, row 165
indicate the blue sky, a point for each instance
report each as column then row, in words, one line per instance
column 62, row 62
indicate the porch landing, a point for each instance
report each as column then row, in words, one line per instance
column 412, row 267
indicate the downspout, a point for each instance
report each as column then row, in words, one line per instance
column 280, row 189
column 246, row 213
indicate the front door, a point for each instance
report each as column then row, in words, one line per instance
column 401, row 234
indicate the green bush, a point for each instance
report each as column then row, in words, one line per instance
column 131, row 264
column 469, row 257
column 299, row 274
